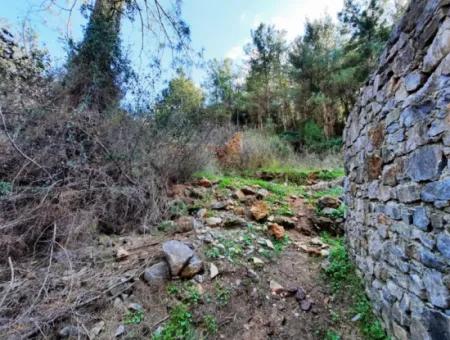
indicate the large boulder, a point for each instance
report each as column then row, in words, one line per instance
column 177, row 255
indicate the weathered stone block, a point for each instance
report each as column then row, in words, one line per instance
column 420, row 218
column 424, row 163
column 436, row 191
column 409, row 192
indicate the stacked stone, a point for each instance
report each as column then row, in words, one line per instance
column 397, row 147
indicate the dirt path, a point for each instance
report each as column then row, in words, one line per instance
column 261, row 238
column 265, row 288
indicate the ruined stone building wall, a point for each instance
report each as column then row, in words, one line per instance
column 397, row 147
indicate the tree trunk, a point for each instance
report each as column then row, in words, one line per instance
column 96, row 63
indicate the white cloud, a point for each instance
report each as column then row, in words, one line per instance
column 235, row 53
column 292, row 15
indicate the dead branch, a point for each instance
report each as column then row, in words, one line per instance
column 11, row 283
column 11, row 140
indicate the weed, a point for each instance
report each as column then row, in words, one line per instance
column 212, row 252
column 332, row 335
column 187, row 292
column 281, row 244
column 344, row 281
column 5, row 188
column 133, row 317
column 179, row 325
column 173, row 289
column 192, row 294
column 223, row 295
column 210, row 324
column 165, row 226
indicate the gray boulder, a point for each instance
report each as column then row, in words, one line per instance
column 177, row 255
column 157, row 273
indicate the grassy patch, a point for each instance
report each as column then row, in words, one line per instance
column 341, row 274
column 133, row 317
column 186, row 291
column 210, row 323
column 179, row 326
column 223, row 295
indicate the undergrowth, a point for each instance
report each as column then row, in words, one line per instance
column 345, row 283
column 179, row 325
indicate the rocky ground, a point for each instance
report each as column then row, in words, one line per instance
column 239, row 258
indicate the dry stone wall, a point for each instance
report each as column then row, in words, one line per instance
column 397, row 150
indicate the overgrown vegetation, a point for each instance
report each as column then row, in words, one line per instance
column 346, row 284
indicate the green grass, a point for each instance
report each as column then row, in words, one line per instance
column 336, row 213
column 133, row 317
column 210, row 323
column 342, row 277
column 185, row 291
column 179, row 326
column 223, row 295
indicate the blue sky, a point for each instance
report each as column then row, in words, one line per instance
column 220, row 27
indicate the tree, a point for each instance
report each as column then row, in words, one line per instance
column 181, row 99
column 267, row 73
column 97, row 70
column 314, row 58
column 224, row 92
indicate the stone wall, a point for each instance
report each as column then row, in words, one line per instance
column 397, row 146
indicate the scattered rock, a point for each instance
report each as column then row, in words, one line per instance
column 213, row 271
column 120, row 331
column 197, row 192
column 213, row 221
column 276, row 230
column 220, row 205
column 269, row 244
column 118, row 286
column 259, row 210
column 135, row 307
column 322, row 223
column 121, row 254
column 328, row 202
column 177, row 255
column 300, row 294
column 234, row 222
column 249, row 191
column 201, row 213
column 194, row 266
column 184, row 224
column 257, row 261
column 305, row 305
column 157, row 273
column 357, row 317
column 239, row 195
column 262, row 193
column 275, row 287
column 284, row 221
column 96, row 329
column 204, row 182
column 69, row 332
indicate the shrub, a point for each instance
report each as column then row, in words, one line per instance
column 262, row 149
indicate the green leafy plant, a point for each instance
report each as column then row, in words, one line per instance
column 179, row 325
column 210, row 324
column 5, row 188
column 332, row 335
column 133, row 317
column 223, row 295
column 343, row 279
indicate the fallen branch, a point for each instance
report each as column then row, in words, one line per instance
column 11, row 283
